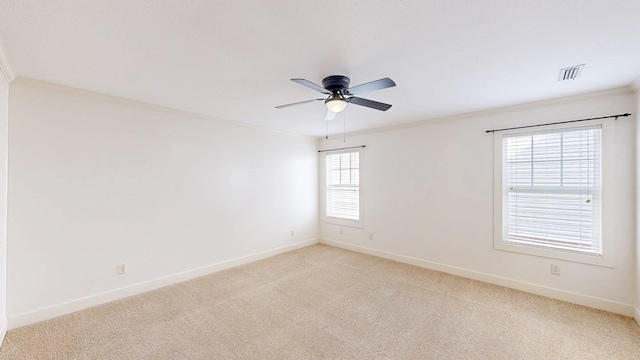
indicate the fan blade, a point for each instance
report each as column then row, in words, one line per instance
column 372, row 86
column 297, row 103
column 330, row 115
column 369, row 103
column 311, row 85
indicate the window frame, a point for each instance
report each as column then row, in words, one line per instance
column 607, row 258
column 325, row 190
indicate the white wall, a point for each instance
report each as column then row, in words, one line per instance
column 95, row 181
column 4, row 122
column 637, row 247
column 428, row 200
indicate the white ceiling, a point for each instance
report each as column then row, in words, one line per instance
column 233, row 59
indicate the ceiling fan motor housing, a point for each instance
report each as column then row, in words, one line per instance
column 337, row 87
column 336, row 83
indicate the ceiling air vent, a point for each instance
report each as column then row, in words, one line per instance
column 571, row 73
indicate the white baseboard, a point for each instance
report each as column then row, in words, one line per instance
column 3, row 329
column 49, row 312
column 636, row 315
column 568, row 296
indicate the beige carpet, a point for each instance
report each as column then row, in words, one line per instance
column 324, row 302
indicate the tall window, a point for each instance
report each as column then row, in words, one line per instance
column 343, row 185
column 550, row 190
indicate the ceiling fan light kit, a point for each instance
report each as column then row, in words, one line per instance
column 335, row 104
column 339, row 93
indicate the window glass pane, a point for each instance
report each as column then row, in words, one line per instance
column 343, row 180
column 551, row 193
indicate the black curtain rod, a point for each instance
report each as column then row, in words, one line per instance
column 560, row 122
column 345, row 148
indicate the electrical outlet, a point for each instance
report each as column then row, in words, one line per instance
column 293, row 233
column 370, row 236
column 340, row 231
column 122, row 269
column 555, row 269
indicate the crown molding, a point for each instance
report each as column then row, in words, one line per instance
column 34, row 83
column 501, row 110
column 5, row 65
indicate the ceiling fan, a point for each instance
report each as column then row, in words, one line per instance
column 339, row 93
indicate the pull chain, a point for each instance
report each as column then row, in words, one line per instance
column 344, row 126
column 326, row 124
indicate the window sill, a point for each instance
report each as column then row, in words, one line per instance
column 598, row 260
column 343, row 222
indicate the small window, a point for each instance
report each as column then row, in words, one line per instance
column 342, row 201
column 550, row 193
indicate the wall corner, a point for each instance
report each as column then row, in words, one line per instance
column 635, row 85
column 5, row 64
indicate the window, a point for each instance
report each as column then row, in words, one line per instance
column 342, row 200
column 550, row 194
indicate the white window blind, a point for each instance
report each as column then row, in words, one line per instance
column 343, row 185
column 552, row 190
